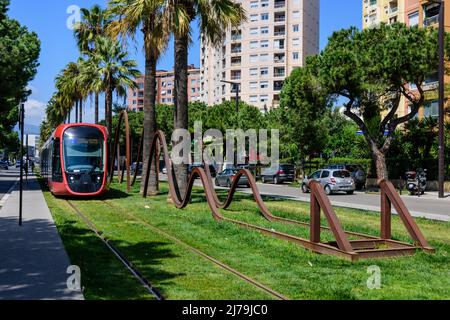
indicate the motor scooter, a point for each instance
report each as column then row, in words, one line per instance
column 416, row 182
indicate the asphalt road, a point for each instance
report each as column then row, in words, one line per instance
column 427, row 206
column 7, row 180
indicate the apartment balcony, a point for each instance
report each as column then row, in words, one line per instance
column 278, row 85
column 279, row 31
column 280, row 17
column 279, row 58
column 236, row 49
column 236, row 75
column 279, row 4
column 431, row 14
column 279, row 72
column 236, row 61
column 430, row 21
column 236, row 35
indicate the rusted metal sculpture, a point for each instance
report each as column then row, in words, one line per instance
column 365, row 247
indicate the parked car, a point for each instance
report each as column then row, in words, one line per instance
column 356, row 171
column 278, row 174
column 4, row 165
column 212, row 169
column 226, row 177
column 164, row 170
column 333, row 180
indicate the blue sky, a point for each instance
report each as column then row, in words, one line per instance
column 48, row 18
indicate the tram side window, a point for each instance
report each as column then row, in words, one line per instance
column 56, row 162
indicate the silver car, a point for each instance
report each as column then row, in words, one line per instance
column 333, row 180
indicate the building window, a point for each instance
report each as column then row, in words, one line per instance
column 264, row 84
column 431, row 109
column 295, row 55
column 253, row 72
column 296, row 14
column 296, row 28
column 254, row 31
column 296, row 42
column 253, row 17
column 264, row 72
column 264, row 30
column 254, row 58
column 253, row 85
column 264, row 57
column 264, row 98
column 413, row 19
column 264, row 16
column 264, row 43
column 264, row 3
column 253, row 99
column 253, row 44
column 254, row 4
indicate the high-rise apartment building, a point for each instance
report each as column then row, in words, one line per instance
column 422, row 13
column 261, row 53
column 165, row 86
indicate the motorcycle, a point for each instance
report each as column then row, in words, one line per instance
column 416, row 182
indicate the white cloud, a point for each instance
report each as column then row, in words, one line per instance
column 34, row 111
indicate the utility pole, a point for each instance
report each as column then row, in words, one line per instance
column 441, row 98
column 22, row 125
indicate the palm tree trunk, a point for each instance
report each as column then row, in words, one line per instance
column 108, row 109
column 81, row 110
column 149, row 121
column 68, row 116
column 76, row 111
column 181, row 120
column 96, row 108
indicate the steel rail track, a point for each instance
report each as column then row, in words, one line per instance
column 200, row 253
column 134, row 271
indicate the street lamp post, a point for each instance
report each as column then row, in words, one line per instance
column 441, row 172
column 236, row 85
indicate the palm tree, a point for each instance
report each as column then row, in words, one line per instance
column 111, row 71
column 73, row 90
column 65, row 96
column 215, row 17
column 93, row 25
column 130, row 17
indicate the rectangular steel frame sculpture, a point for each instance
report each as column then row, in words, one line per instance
column 354, row 250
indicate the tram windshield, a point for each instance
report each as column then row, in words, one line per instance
column 83, row 150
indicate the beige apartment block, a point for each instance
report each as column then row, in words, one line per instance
column 422, row 13
column 165, row 89
column 261, row 53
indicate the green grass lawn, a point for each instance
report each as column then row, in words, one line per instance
column 285, row 267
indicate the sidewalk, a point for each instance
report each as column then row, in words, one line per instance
column 33, row 261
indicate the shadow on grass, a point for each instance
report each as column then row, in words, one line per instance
column 103, row 276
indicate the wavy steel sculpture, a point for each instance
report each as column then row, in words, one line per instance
column 365, row 247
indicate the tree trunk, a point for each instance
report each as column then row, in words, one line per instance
column 68, row 117
column 108, row 109
column 380, row 165
column 96, row 108
column 181, row 120
column 81, row 110
column 149, row 121
column 76, row 111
